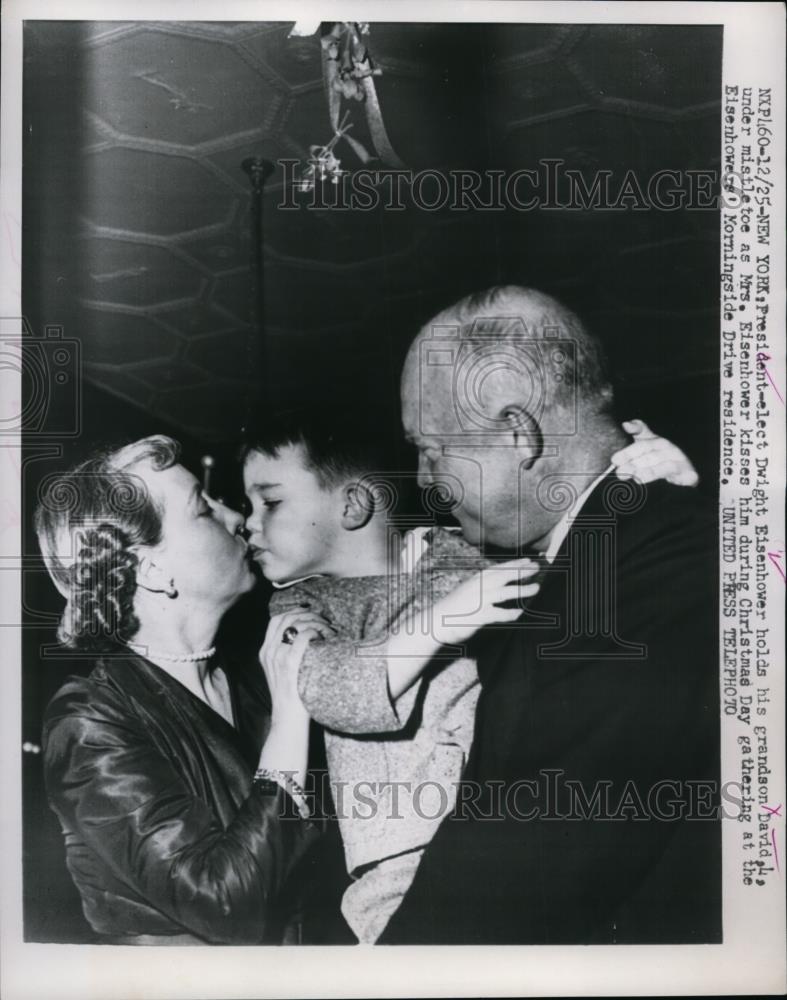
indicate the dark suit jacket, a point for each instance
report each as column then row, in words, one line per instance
column 610, row 681
column 165, row 834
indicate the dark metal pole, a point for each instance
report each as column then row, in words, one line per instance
column 258, row 171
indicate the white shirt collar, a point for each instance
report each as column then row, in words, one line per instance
column 563, row 526
column 291, row 583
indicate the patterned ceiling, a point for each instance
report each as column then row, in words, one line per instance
column 137, row 210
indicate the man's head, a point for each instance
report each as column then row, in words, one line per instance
column 500, row 391
column 309, row 479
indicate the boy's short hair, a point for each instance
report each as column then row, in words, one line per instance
column 335, row 447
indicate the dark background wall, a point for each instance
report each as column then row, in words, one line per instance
column 136, row 242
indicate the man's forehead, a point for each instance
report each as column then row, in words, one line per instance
column 437, row 396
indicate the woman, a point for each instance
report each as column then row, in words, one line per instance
column 178, row 828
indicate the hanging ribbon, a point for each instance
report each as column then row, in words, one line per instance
column 374, row 117
column 348, row 73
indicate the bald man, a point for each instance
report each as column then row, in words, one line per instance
column 589, row 810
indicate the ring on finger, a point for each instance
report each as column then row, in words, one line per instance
column 288, row 636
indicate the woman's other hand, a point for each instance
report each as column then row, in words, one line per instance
column 286, row 746
column 651, row 457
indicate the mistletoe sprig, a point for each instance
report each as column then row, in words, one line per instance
column 348, row 72
column 323, row 165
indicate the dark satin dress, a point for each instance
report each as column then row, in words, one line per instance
column 166, row 838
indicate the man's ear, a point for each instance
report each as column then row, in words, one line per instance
column 525, row 430
column 358, row 506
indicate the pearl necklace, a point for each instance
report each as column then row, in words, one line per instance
column 155, row 654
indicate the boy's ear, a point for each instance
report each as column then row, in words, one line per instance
column 358, row 506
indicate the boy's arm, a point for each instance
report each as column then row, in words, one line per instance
column 418, row 634
column 448, row 563
column 343, row 681
column 370, row 685
column 344, row 686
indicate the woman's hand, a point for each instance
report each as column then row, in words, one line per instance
column 476, row 602
column 281, row 660
column 651, row 457
column 287, row 743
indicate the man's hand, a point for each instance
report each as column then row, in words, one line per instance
column 651, row 457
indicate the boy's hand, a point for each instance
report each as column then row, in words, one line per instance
column 651, row 457
column 476, row 602
column 456, row 617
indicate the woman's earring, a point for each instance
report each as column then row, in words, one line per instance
column 171, row 591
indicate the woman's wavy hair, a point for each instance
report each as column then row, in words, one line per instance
column 89, row 521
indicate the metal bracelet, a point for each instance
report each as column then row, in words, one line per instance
column 288, row 784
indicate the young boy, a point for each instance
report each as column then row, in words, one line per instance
column 391, row 687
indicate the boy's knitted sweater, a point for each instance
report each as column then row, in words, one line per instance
column 422, row 740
